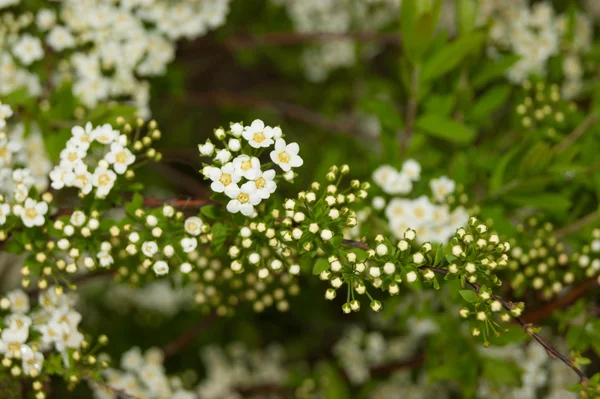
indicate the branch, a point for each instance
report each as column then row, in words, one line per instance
column 293, row 111
column 576, row 133
column 577, row 225
column 188, row 336
column 561, row 302
column 109, row 388
column 528, row 328
column 411, row 109
column 291, row 38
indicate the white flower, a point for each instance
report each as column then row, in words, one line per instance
column 161, row 268
column 59, row 177
column 244, row 199
column 104, row 180
column 193, row 225
column 286, row 156
column 33, row 213
column 105, row 134
column 45, row 19
column 12, row 341
column 60, row 38
column 189, row 244
column 28, row 49
column 224, row 179
column 4, row 212
column 105, row 258
column 265, row 184
column 149, row 248
column 248, row 167
column 223, row 156
column 19, row 301
column 82, row 137
column 120, row 157
column 32, row 361
column 5, row 113
column 412, row 169
column 258, row 135
column 72, row 155
column 391, row 181
column 234, row 145
column 132, row 360
column 442, row 187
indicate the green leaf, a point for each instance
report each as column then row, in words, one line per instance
column 493, row 69
column 548, row 202
column 497, row 178
column 490, row 101
column 450, row 56
column 320, row 266
column 466, row 11
column 469, row 296
column 501, row 372
column 445, row 128
column 439, row 255
column 211, row 211
column 336, row 387
column 219, row 231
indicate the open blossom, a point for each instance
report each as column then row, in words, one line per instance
column 161, row 268
column 193, row 225
column 258, row 135
column 60, row 38
column 82, row 137
column 19, row 301
column 33, row 213
column 81, row 178
column 32, row 361
column 442, row 187
column 224, row 179
column 105, row 134
column 412, row 169
column 120, row 157
column 149, row 248
column 391, row 181
column 265, row 184
column 248, row 167
column 72, row 155
column 244, row 199
column 28, row 49
column 189, row 244
column 104, row 180
column 286, row 155
column 5, row 113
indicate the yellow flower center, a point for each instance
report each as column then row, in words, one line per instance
column 73, row 156
column 14, row 347
column 420, row 213
column 260, row 182
column 83, row 179
column 441, row 191
column 243, row 198
column 259, row 137
column 121, row 157
column 225, row 179
column 246, row 164
column 3, row 151
column 284, row 157
column 103, row 180
column 30, row 213
column 193, row 226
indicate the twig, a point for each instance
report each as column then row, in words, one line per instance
column 578, row 224
column 576, row 133
column 528, row 328
column 120, row 392
column 154, row 203
column 292, row 111
column 570, row 297
column 188, row 336
column 291, row 38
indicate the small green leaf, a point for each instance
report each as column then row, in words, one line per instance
column 211, row 211
column 489, row 102
column 445, row 128
column 549, row 202
column 493, row 69
column 469, row 296
column 439, row 256
column 320, row 266
column 450, row 56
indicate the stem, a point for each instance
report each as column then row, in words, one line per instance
column 578, row 224
column 188, row 336
column 576, row 133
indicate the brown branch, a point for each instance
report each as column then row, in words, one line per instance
column 577, row 225
column 292, row 38
column 155, row 203
column 292, row 111
column 188, row 336
column 119, row 392
column 576, row 133
column 528, row 328
column 570, row 297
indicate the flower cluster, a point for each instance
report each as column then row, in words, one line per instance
column 336, row 17
column 532, row 34
column 141, row 376
column 242, row 179
column 102, row 47
column 30, row 334
column 24, row 163
column 432, row 219
column 74, row 162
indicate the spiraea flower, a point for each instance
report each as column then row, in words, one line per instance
column 33, row 212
